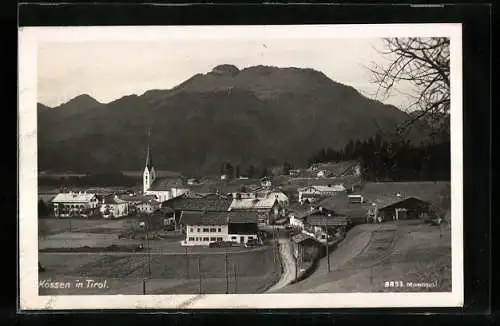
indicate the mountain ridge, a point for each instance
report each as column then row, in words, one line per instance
column 259, row 115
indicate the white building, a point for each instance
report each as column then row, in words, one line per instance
column 114, row 207
column 70, row 203
column 162, row 188
column 312, row 193
column 203, row 228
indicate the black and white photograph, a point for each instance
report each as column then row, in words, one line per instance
column 240, row 166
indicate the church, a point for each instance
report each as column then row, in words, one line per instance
column 162, row 188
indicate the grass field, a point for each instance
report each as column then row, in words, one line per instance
column 255, row 270
column 406, row 251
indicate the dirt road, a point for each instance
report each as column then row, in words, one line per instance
column 288, row 263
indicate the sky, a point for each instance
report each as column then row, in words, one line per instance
column 110, row 70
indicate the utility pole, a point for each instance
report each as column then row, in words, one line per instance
column 227, row 274
column 144, row 286
column 187, row 264
column 327, row 248
column 199, row 271
column 235, row 278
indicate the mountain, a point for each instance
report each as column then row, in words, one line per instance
column 258, row 115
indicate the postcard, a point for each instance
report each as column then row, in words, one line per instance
column 187, row 167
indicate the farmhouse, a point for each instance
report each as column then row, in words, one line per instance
column 404, row 200
column 202, row 228
column 304, row 247
column 352, row 206
column 114, row 207
column 268, row 209
column 147, row 206
column 66, row 204
column 311, row 194
column 184, row 203
column 136, row 203
column 162, row 188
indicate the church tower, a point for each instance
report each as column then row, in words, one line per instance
column 149, row 174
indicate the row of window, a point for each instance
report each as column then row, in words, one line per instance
column 205, row 239
column 206, row 230
column 72, row 206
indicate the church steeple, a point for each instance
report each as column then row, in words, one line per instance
column 149, row 174
column 149, row 156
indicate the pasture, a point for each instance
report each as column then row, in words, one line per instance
column 371, row 255
column 170, row 273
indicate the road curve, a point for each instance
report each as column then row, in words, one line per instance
column 288, row 263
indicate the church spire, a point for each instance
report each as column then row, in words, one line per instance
column 149, row 156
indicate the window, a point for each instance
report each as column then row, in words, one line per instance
column 196, row 238
column 190, row 229
column 205, row 230
column 212, row 230
column 205, row 239
column 198, row 230
column 191, row 239
column 212, row 239
column 219, row 238
column 250, row 238
column 219, row 230
column 233, row 238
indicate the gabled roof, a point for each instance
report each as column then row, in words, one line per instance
column 137, row 198
column 385, row 193
column 112, row 200
column 327, row 220
column 166, row 184
column 184, row 203
column 251, row 204
column 322, row 188
column 341, row 205
column 73, row 197
column 218, row 218
column 301, row 237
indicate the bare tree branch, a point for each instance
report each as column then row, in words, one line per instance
column 424, row 63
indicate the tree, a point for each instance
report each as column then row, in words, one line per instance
column 286, row 168
column 43, row 209
column 250, row 171
column 424, row 63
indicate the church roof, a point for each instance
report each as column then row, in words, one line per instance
column 165, row 184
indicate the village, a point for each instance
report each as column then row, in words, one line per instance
column 280, row 227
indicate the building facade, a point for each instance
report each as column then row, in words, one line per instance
column 313, row 193
column 74, row 203
column 114, row 207
column 203, row 228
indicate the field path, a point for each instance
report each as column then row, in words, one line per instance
column 289, row 266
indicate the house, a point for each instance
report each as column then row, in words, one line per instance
column 74, row 203
column 323, row 174
column 162, row 188
column 193, row 181
column 165, row 215
column 135, row 202
column 267, row 193
column 302, row 245
column 402, row 200
column 266, row 182
column 268, row 209
column 343, row 204
column 294, row 172
column 400, row 208
column 147, row 206
column 311, row 194
column 114, row 207
column 185, row 203
column 204, row 227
